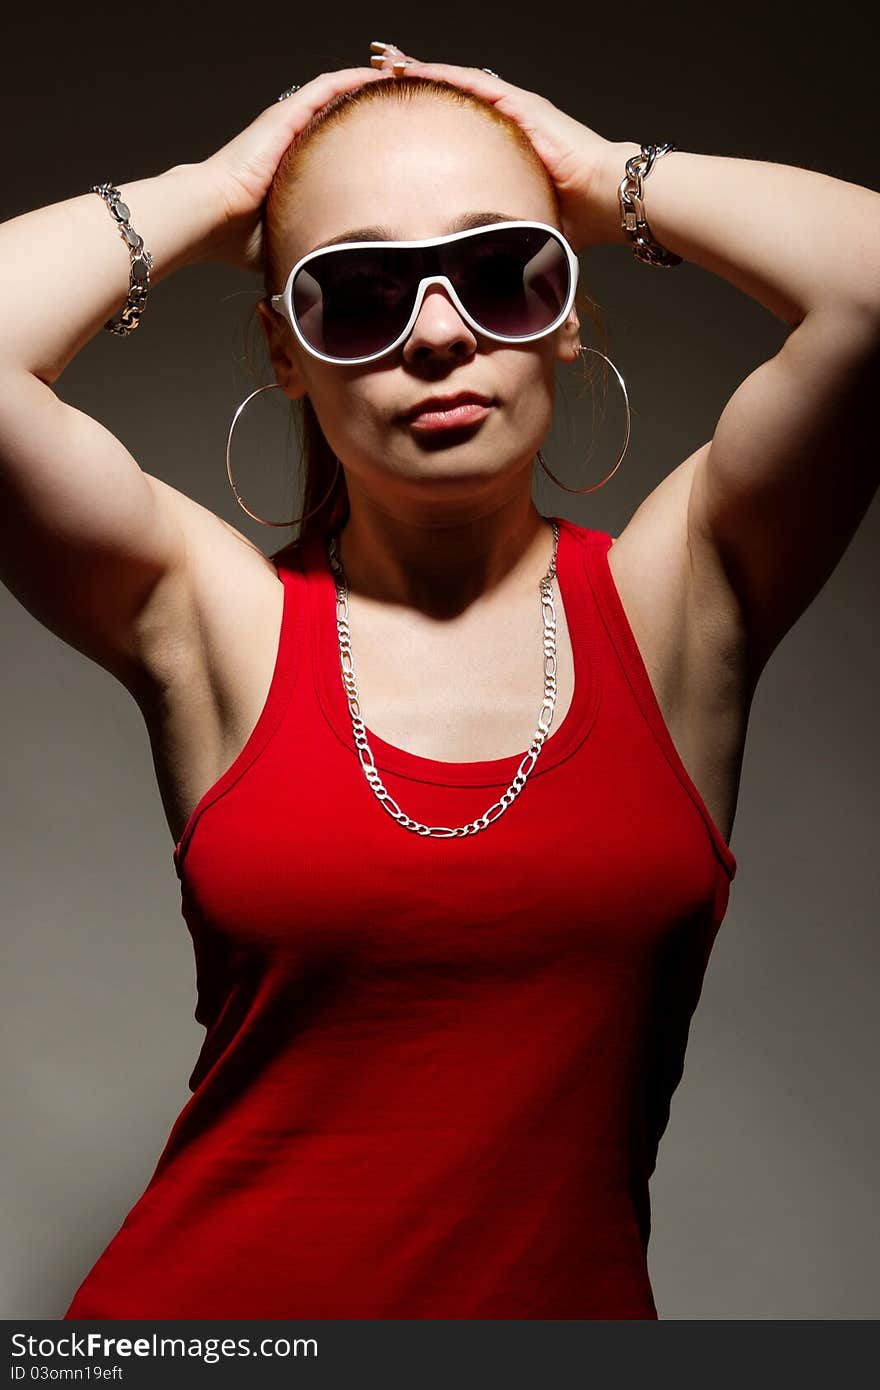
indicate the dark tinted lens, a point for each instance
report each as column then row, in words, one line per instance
column 513, row 280
column 353, row 303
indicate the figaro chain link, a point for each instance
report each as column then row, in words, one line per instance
column 545, row 719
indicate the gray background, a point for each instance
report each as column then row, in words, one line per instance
column 765, row 1199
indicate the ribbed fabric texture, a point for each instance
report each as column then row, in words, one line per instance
column 435, row 1072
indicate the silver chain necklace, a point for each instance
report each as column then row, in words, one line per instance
column 545, row 719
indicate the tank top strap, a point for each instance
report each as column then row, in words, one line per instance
column 288, row 568
column 597, row 547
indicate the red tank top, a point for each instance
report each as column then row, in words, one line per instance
column 435, row 1071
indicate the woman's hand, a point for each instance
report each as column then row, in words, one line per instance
column 240, row 173
column 582, row 164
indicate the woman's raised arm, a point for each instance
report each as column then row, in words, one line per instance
column 85, row 534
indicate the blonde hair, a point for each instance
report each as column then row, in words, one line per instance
column 318, row 461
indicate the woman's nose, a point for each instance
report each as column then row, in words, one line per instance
column 439, row 327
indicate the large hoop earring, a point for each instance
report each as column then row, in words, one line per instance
column 238, row 499
column 596, row 486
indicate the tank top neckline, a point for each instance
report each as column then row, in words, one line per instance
column 562, row 740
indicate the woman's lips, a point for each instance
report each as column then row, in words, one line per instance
column 467, row 414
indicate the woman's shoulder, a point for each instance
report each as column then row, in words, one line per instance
column 585, row 535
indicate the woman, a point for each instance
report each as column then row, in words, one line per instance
column 437, row 1066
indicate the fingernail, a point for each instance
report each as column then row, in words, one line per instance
column 397, row 68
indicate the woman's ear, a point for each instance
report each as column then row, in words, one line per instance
column 279, row 339
column 569, row 338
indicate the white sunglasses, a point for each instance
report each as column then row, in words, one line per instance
column 358, row 300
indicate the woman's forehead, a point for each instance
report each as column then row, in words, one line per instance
column 462, row 222
column 410, row 184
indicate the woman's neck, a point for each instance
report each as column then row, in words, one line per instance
column 440, row 562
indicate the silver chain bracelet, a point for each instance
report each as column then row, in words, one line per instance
column 633, row 221
column 140, row 266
